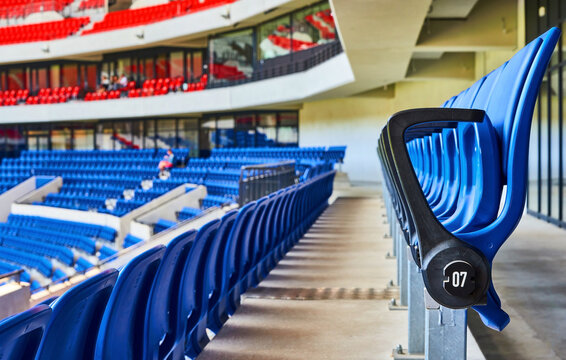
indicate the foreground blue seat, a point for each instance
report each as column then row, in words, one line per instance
column 21, row 334
column 73, row 329
column 227, row 301
column 215, row 270
column 122, row 326
column 193, row 295
column 161, row 314
column 491, row 137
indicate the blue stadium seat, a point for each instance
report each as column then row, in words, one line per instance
column 226, row 304
column 473, row 154
column 21, row 334
column 214, row 270
column 193, row 297
column 161, row 314
column 122, row 326
column 72, row 331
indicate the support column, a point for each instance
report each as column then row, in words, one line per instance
column 445, row 335
column 416, row 310
column 403, row 268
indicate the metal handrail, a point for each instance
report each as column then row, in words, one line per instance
column 16, row 274
column 263, row 179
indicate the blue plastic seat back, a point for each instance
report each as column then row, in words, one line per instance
column 161, row 314
column 122, row 327
column 482, row 144
column 513, row 129
column 21, row 334
column 214, row 270
column 480, row 191
column 191, row 290
column 272, row 235
column 249, row 246
column 72, row 331
column 261, row 236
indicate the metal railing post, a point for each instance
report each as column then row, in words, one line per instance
column 416, row 309
column 445, row 334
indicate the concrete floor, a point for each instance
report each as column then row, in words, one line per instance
column 528, row 274
column 328, row 298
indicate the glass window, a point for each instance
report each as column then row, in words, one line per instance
column 266, row 130
column 60, row 138
column 148, row 70
column 225, row 131
column 188, row 135
column 232, row 56
column 91, row 77
column 313, row 26
column 177, row 64
column 287, row 132
column 274, row 38
column 55, row 76
column 70, row 75
column 42, row 82
column 149, row 137
column 122, row 135
column 38, row 139
column 197, row 69
column 207, row 137
column 245, row 130
column 3, row 80
column 14, row 141
column 166, row 134
column 137, row 133
column 104, row 136
column 83, row 138
column 124, row 67
column 161, row 67
column 16, row 79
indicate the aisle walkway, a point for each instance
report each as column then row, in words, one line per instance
column 327, row 299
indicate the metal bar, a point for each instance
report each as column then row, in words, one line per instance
column 416, row 309
column 16, row 273
column 404, row 268
column 445, row 334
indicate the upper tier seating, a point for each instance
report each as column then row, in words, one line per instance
column 332, row 153
column 287, row 43
column 147, row 15
column 41, row 31
column 323, row 21
column 447, row 170
column 54, row 96
column 22, row 8
column 91, row 4
column 163, row 300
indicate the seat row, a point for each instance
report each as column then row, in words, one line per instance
column 162, row 302
column 332, row 153
column 41, row 31
column 151, row 14
column 457, row 178
column 73, row 227
column 22, row 8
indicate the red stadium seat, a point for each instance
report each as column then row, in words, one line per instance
column 42, row 31
column 128, row 18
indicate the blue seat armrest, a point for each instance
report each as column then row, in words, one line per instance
column 441, row 253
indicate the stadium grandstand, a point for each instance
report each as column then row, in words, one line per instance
column 282, row 179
